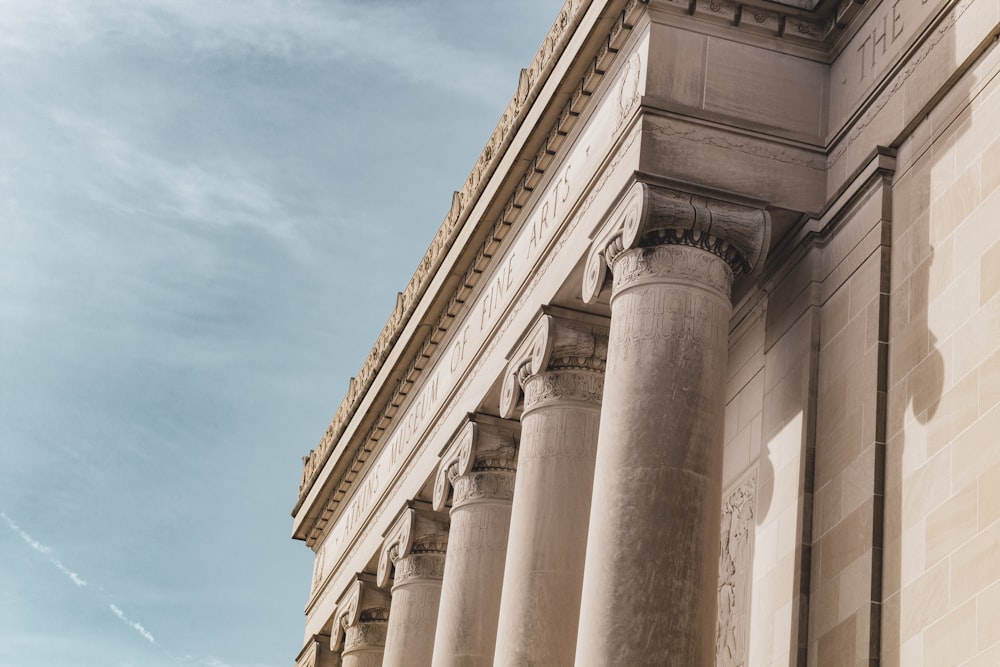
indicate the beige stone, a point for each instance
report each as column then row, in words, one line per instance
column 360, row 623
column 823, row 154
column 412, row 558
column 952, row 640
column 560, row 369
column 975, row 565
column 951, row 525
column 479, row 465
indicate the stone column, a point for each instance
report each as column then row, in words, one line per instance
column 360, row 623
column 413, row 558
column 650, row 583
column 560, row 367
column 479, row 465
column 317, row 653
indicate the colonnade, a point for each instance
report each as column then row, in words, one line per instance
column 585, row 532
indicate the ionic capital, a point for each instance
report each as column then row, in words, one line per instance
column 559, row 340
column 649, row 215
column 478, row 461
column 361, row 616
column 414, row 546
column 317, row 653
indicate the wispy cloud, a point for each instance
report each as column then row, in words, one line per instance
column 49, row 554
column 44, row 551
column 135, row 625
column 219, row 195
column 303, row 30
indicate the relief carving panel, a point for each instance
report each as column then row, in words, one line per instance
column 735, row 558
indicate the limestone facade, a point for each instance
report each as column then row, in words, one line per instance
column 703, row 366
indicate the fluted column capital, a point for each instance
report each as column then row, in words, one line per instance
column 559, row 340
column 414, row 547
column 479, row 463
column 361, row 616
column 650, row 215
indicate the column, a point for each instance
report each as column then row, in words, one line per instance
column 412, row 557
column 560, row 367
column 479, row 467
column 360, row 623
column 317, row 653
column 650, row 582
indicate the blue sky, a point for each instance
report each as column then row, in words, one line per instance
column 206, row 210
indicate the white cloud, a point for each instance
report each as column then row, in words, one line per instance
column 219, row 195
column 135, row 625
column 44, row 550
column 303, row 30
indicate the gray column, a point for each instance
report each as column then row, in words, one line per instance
column 412, row 558
column 560, row 367
column 360, row 623
column 479, row 466
column 650, row 583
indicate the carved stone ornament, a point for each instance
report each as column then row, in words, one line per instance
column 649, row 216
column 735, row 557
column 362, row 602
column 483, row 445
column 417, row 531
column 317, row 653
column 554, row 343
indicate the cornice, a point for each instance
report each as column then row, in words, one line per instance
column 821, row 29
column 532, row 80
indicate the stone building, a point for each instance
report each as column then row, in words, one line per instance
column 702, row 366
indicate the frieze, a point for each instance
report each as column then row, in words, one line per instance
column 943, row 29
column 536, row 246
column 748, row 146
column 531, row 80
column 318, row 457
column 629, row 89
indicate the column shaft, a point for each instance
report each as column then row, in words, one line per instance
column 563, row 380
column 649, row 592
column 413, row 557
column 410, row 640
column 477, row 545
column 360, row 623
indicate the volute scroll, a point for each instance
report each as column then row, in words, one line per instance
column 651, row 215
column 558, row 340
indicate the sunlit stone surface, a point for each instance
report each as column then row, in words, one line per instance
column 703, row 367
